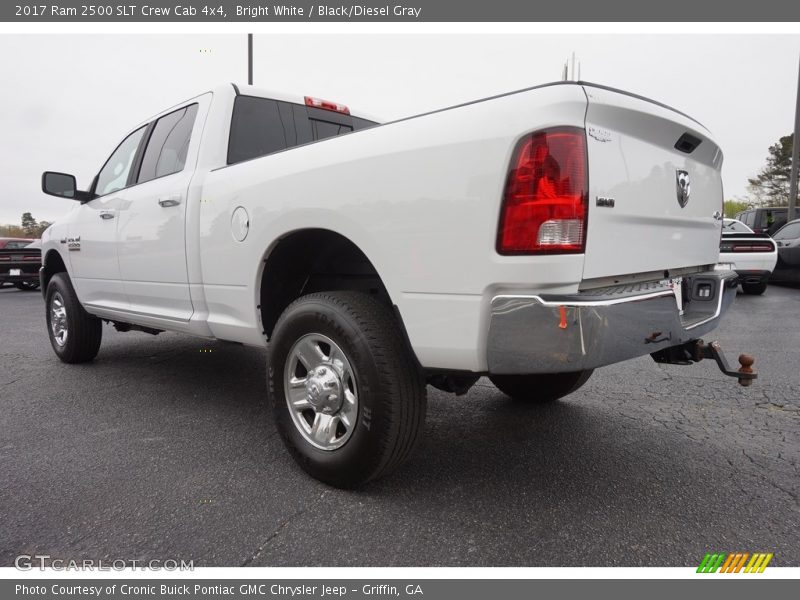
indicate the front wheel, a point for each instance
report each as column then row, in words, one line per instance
column 540, row 389
column 347, row 395
column 74, row 334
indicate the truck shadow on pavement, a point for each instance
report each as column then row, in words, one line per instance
column 183, row 424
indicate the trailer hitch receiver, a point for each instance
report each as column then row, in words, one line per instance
column 694, row 351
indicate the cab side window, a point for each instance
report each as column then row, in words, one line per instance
column 114, row 174
column 168, row 144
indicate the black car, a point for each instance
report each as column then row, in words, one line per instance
column 764, row 220
column 19, row 266
column 788, row 240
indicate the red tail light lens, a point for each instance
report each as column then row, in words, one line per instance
column 546, row 195
column 753, row 248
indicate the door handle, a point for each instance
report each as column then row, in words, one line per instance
column 168, row 201
column 106, row 215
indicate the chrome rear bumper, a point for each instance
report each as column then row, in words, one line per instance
column 552, row 334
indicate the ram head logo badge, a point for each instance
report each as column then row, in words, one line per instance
column 682, row 186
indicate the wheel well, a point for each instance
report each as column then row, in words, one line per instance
column 314, row 260
column 52, row 263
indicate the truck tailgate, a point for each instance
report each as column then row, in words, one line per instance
column 641, row 157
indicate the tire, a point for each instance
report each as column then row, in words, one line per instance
column 74, row 334
column 754, row 289
column 26, row 286
column 357, row 354
column 540, row 389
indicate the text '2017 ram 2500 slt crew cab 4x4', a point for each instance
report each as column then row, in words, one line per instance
column 531, row 237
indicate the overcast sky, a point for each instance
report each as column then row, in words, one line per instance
column 67, row 100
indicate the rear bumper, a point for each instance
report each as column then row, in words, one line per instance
column 753, row 276
column 745, row 262
column 552, row 334
column 22, row 278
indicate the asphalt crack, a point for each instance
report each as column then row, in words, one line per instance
column 280, row 528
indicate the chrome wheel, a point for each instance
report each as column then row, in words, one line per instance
column 58, row 319
column 321, row 393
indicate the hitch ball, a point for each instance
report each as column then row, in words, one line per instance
column 747, row 367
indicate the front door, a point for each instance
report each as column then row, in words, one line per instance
column 92, row 239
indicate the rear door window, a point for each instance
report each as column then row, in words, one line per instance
column 168, row 144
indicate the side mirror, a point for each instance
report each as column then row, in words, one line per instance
column 62, row 185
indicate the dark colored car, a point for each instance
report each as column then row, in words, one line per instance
column 765, row 219
column 788, row 240
column 20, row 261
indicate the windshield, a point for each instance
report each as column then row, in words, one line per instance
column 734, row 226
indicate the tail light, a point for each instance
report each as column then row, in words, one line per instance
column 747, row 247
column 546, row 195
column 327, row 105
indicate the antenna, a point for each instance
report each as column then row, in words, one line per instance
column 569, row 73
column 249, row 59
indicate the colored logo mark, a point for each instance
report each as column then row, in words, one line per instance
column 735, row 562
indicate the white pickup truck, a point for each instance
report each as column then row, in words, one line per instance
column 530, row 237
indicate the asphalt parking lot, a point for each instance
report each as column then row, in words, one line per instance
column 163, row 449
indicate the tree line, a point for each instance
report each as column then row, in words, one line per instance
column 28, row 228
column 770, row 187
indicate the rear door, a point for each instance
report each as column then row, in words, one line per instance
column 151, row 234
column 655, row 192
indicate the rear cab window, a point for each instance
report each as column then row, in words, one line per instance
column 262, row 126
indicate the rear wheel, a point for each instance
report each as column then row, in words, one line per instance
column 74, row 334
column 754, row 289
column 540, row 389
column 347, row 396
column 26, row 286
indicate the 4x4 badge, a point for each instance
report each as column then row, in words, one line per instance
column 682, row 186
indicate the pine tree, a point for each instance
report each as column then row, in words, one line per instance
column 771, row 186
column 29, row 224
